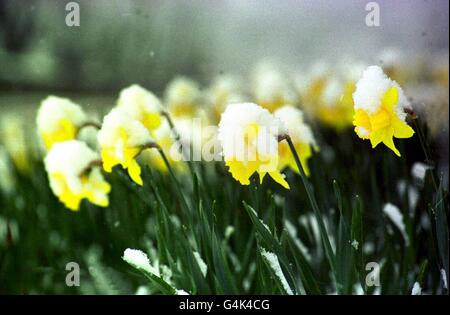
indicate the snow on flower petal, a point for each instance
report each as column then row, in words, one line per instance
column 249, row 135
column 121, row 139
column 335, row 107
column 142, row 105
column 182, row 96
column 270, row 89
column 380, row 109
column 68, row 165
column 224, row 90
column 58, row 119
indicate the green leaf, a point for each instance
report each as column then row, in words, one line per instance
column 272, row 244
column 357, row 240
column 442, row 234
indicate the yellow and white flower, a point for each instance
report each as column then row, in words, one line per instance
column 58, row 119
column 182, row 97
column 121, row 139
column 142, row 105
column 334, row 106
column 249, row 137
column 310, row 86
column 301, row 136
column 270, row 89
column 380, row 109
column 14, row 135
column 224, row 90
column 73, row 176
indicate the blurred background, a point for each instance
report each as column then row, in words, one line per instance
column 120, row 42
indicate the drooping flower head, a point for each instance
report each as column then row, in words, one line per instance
column 58, row 119
column 121, row 139
column 270, row 89
column 182, row 97
column 301, row 136
column 310, row 86
column 142, row 105
column 380, row 109
column 249, row 137
column 334, row 106
column 72, row 175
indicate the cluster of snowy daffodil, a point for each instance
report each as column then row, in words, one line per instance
column 250, row 134
column 74, row 169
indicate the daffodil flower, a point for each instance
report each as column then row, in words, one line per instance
column 380, row 109
column 310, row 87
column 58, row 120
column 249, row 137
column 121, row 139
column 301, row 136
column 182, row 96
column 270, row 89
column 142, row 105
column 74, row 174
column 335, row 107
column 224, row 90
column 14, row 136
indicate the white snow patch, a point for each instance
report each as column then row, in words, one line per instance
column 444, row 278
column 416, row 290
column 229, row 230
column 274, row 263
column 142, row 290
column 371, row 89
column 419, row 170
column 137, row 259
column 394, row 214
column 292, row 231
column 201, row 263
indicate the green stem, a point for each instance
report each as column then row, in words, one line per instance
column 309, row 191
column 172, row 174
column 425, row 151
column 178, row 140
